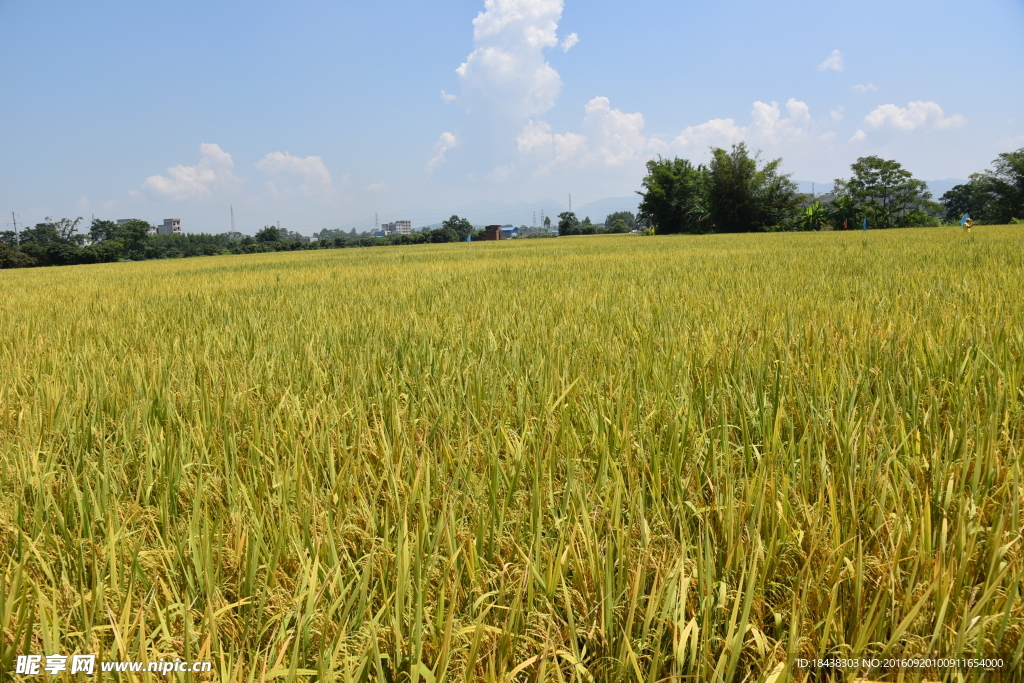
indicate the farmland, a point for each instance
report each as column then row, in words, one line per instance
column 596, row 458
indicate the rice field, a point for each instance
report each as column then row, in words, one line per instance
column 585, row 459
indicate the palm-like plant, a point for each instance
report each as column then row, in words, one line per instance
column 814, row 217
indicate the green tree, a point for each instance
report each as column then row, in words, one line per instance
column 619, row 225
column 41, row 234
column 814, row 217
column 443, row 234
column 133, row 235
column 971, row 198
column 1004, row 183
column 672, row 200
column 625, row 216
column 101, row 231
column 568, row 224
column 461, row 226
column 269, row 233
column 547, row 222
column 843, row 212
column 885, row 192
column 743, row 197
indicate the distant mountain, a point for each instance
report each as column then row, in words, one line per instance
column 599, row 208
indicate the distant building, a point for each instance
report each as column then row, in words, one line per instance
column 397, row 228
column 170, row 226
column 508, row 232
column 492, row 233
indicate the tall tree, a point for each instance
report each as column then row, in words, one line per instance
column 568, row 224
column 972, row 198
column 269, row 233
column 461, row 226
column 885, row 192
column 101, row 231
column 1005, row 185
column 134, row 234
column 672, row 198
column 744, row 197
column 626, row 216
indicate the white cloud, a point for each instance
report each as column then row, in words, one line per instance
column 915, row 115
column 716, row 132
column 767, row 127
column 507, row 70
column 864, row 88
column 834, row 62
column 82, row 206
column 610, row 138
column 447, row 97
column 443, row 144
column 569, row 41
column 310, row 172
column 837, row 113
column 215, row 170
column 376, row 187
column 858, row 136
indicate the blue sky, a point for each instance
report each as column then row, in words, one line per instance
column 319, row 114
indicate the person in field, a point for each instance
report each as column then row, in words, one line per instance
column 965, row 222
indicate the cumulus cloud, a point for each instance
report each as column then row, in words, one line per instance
column 443, row 144
column 569, row 41
column 768, row 127
column 837, row 113
column 833, row 62
column 448, row 97
column 865, row 87
column 508, row 69
column 717, row 132
column 858, row 136
column 215, row 170
column 610, row 138
column 309, row 173
column 915, row 115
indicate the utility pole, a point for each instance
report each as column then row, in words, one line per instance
column 570, row 201
column 376, row 225
column 535, row 219
column 17, row 237
column 232, row 218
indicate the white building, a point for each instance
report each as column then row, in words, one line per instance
column 397, row 228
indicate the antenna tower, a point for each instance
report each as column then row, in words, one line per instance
column 17, row 237
column 232, row 218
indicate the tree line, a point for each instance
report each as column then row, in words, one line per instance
column 737, row 192
column 59, row 243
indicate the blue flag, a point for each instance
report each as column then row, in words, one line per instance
column 865, row 223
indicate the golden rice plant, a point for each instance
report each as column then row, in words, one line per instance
column 584, row 459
